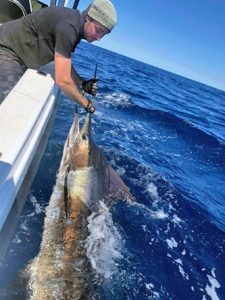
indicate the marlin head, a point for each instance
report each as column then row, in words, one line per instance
column 87, row 157
column 83, row 145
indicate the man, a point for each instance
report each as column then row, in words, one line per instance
column 53, row 34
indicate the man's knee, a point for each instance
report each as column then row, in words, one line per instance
column 10, row 74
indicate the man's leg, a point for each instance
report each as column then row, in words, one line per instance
column 10, row 72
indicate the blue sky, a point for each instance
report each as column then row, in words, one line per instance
column 185, row 37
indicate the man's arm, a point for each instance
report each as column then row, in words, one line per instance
column 68, row 80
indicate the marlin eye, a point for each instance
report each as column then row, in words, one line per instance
column 85, row 137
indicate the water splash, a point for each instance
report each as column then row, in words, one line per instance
column 104, row 244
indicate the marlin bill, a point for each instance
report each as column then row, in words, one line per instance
column 62, row 270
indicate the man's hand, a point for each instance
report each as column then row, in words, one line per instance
column 90, row 86
column 90, row 107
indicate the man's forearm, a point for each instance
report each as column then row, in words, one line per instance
column 72, row 91
column 68, row 80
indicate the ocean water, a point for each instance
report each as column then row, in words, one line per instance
column 165, row 136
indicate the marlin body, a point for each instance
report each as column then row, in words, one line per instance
column 62, row 270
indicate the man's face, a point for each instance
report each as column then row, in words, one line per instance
column 93, row 31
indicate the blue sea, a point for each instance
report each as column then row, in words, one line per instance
column 165, row 136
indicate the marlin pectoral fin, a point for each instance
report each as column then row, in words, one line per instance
column 117, row 184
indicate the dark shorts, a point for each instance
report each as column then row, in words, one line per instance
column 11, row 70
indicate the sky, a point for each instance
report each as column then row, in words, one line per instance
column 185, row 37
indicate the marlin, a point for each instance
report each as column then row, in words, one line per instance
column 62, row 270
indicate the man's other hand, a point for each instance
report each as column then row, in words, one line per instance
column 90, row 86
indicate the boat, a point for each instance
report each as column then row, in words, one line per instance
column 26, row 118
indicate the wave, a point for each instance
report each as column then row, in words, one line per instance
column 186, row 130
column 165, row 223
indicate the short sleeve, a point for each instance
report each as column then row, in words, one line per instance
column 65, row 39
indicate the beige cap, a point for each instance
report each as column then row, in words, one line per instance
column 104, row 13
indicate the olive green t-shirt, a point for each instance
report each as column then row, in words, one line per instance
column 35, row 37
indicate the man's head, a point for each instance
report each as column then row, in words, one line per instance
column 100, row 20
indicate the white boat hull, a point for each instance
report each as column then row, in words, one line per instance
column 26, row 116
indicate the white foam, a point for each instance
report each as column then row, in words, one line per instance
column 171, row 243
column 213, row 272
column 104, row 243
column 117, row 99
column 179, row 261
column 156, row 295
column 176, row 220
column 181, row 269
column 23, row 226
column 183, row 252
column 183, row 273
column 121, row 171
column 214, row 284
column 149, row 286
column 160, row 214
column 152, row 190
column 37, row 206
column 16, row 240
